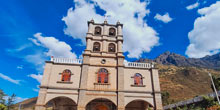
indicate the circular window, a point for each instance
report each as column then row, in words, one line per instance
column 103, row 61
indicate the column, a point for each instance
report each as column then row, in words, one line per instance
column 120, row 84
column 41, row 99
column 104, row 46
column 119, row 29
column 90, row 28
column 156, row 87
column 105, row 30
column 120, row 46
column 89, row 44
column 83, row 83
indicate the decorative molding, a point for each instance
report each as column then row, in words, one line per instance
column 102, row 84
column 63, row 93
column 98, row 94
column 139, row 96
column 65, row 82
column 138, row 85
column 61, row 74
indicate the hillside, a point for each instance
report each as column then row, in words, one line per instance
column 168, row 58
column 185, row 82
column 26, row 104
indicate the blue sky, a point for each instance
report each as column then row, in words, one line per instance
column 33, row 30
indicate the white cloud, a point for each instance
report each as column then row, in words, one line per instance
column 37, row 60
column 17, row 99
column 205, row 37
column 34, row 41
column 9, row 79
column 190, row 7
column 35, row 90
column 164, row 18
column 55, row 47
column 136, row 31
column 19, row 48
column 38, row 77
column 20, row 67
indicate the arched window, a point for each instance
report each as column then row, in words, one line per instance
column 66, row 75
column 96, row 47
column 138, row 79
column 102, row 76
column 111, row 47
column 112, row 32
column 98, row 30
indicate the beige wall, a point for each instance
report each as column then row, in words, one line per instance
column 55, row 76
column 128, row 81
column 92, row 78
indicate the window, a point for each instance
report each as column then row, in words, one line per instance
column 98, row 30
column 96, row 47
column 66, row 75
column 138, row 79
column 112, row 32
column 103, row 76
column 111, row 47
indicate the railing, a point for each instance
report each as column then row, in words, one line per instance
column 66, row 60
column 101, row 86
column 189, row 101
column 138, row 65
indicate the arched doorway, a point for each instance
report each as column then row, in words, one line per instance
column 138, row 105
column 61, row 103
column 101, row 104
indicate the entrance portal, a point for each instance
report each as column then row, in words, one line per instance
column 138, row 105
column 101, row 107
column 101, row 104
column 61, row 103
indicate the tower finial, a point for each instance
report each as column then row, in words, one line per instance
column 92, row 20
column 118, row 22
column 105, row 22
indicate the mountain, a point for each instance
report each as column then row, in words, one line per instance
column 27, row 104
column 184, row 83
column 168, row 58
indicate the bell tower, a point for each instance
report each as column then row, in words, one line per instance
column 104, row 39
column 103, row 53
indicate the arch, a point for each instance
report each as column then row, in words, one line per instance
column 101, row 104
column 61, row 103
column 66, row 75
column 111, row 47
column 138, row 104
column 112, row 31
column 96, row 46
column 138, row 79
column 98, row 30
column 102, row 76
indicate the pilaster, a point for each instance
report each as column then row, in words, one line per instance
column 40, row 105
column 156, row 89
column 120, row 83
column 46, row 75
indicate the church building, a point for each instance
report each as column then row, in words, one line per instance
column 102, row 80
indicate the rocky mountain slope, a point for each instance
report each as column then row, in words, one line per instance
column 168, row 58
column 185, row 82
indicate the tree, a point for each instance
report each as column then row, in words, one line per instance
column 2, row 95
column 3, row 107
column 216, row 82
column 208, row 102
column 165, row 97
column 11, row 100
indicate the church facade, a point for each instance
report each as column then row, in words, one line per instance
column 102, row 80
